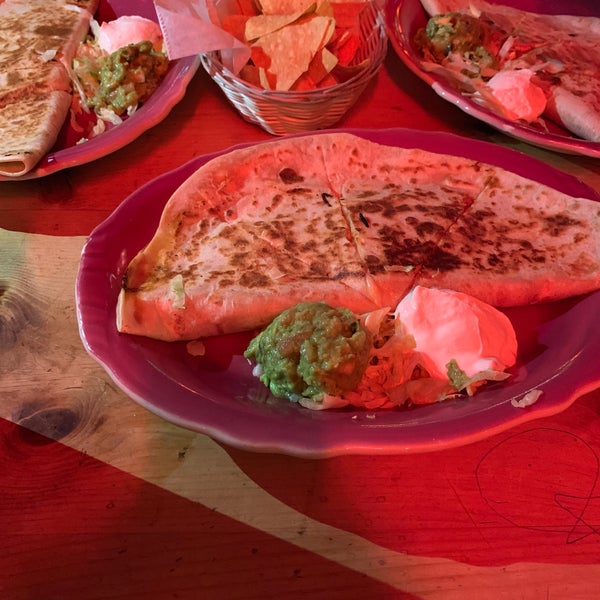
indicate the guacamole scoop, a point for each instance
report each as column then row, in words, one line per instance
column 123, row 79
column 311, row 349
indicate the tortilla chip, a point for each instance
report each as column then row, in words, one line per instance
column 327, row 81
column 261, row 25
column 321, row 65
column 250, row 74
column 267, row 80
column 304, row 84
column 246, row 7
column 295, row 59
column 345, row 47
column 319, row 72
column 285, row 7
column 260, row 58
column 324, row 9
column 292, row 49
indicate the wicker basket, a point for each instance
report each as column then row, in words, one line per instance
column 281, row 113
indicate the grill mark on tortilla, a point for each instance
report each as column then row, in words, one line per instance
column 289, row 175
column 254, row 279
column 506, row 247
column 555, row 225
column 406, row 225
column 54, row 32
column 441, row 260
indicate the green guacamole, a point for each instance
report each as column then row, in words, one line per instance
column 311, row 349
column 454, row 32
column 124, row 78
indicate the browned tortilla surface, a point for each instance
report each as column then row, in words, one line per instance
column 337, row 218
column 38, row 41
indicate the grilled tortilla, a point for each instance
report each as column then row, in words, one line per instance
column 39, row 39
column 337, row 218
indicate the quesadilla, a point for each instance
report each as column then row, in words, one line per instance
column 472, row 42
column 39, row 39
column 336, row 218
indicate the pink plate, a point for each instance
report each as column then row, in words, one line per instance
column 67, row 153
column 216, row 394
column 405, row 17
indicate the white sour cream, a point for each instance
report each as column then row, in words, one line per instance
column 520, row 98
column 450, row 325
column 126, row 30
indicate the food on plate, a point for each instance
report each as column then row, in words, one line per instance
column 299, row 44
column 49, row 63
column 39, row 39
column 519, row 97
column 452, row 327
column 519, row 64
column 436, row 344
column 116, row 69
column 128, row 29
column 527, row 400
column 311, row 349
column 336, row 218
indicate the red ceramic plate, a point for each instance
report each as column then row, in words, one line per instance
column 405, row 17
column 67, row 153
column 216, row 394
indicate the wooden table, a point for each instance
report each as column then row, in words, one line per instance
column 100, row 498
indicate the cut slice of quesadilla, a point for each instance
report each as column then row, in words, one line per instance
column 519, row 243
column 246, row 235
column 32, row 124
column 398, row 203
column 335, row 218
column 39, row 38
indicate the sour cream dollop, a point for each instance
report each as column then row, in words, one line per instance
column 128, row 29
column 518, row 95
column 450, row 325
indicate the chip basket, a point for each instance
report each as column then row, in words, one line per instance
column 281, row 113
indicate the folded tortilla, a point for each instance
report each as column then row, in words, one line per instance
column 39, row 40
column 335, row 218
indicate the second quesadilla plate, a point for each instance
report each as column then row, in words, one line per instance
column 68, row 153
column 217, row 395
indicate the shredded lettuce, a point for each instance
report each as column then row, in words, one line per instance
column 460, row 381
column 396, row 375
column 177, row 292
